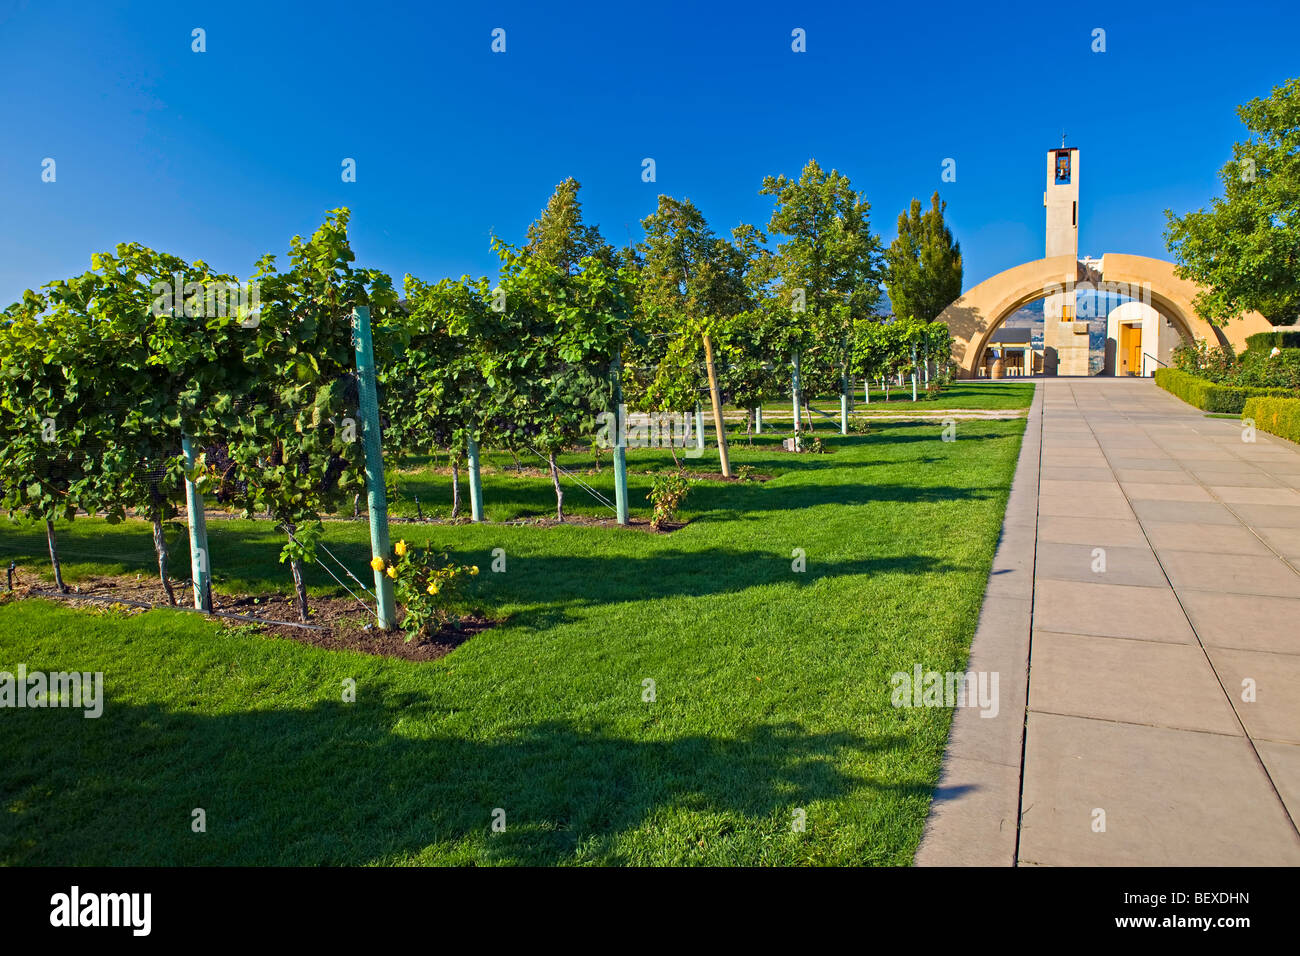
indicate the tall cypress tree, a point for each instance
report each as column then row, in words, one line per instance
column 923, row 268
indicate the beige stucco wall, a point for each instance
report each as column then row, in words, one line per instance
column 974, row 316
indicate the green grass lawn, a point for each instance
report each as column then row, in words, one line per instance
column 772, row 687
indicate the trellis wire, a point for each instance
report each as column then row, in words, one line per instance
column 590, row 490
column 325, row 568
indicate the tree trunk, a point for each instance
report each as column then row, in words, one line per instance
column 299, row 585
column 160, row 546
column 54, row 555
column 715, row 397
column 559, row 492
column 749, row 426
column 455, row 487
column 356, row 505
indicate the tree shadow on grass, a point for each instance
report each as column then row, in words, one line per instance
column 352, row 784
column 554, row 587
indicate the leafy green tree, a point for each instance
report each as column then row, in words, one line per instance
column 435, row 395
column 546, row 356
column 758, row 348
column 1245, row 249
column 50, row 427
column 938, row 347
column 692, row 285
column 560, row 237
column 829, row 261
column 166, row 323
column 881, row 349
column 294, row 439
column 923, row 268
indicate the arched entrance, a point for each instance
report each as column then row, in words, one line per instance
column 974, row 317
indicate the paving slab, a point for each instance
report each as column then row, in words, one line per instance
column 1274, row 711
column 1110, row 610
column 1165, row 491
column 972, row 818
column 1237, row 574
column 1206, row 512
column 1140, row 682
column 1247, row 495
column 1170, row 798
column 1083, row 506
column 1096, row 564
column 1284, row 541
column 1103, row 532
column 1189, row 536
column 1268, row 516
column 1245, row 621
column 1282, row 761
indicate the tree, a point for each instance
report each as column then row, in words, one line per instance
column 546, row 356
column 923, row 269
column 50, row 426
column 559, row 235
column 429, row 370
column 166, row 322
column 288, row 433
column 1245, row 250
column 759, row 343
column 882, row 348
column 829, row 262
column 692, row 284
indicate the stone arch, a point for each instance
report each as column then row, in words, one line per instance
column 974, row 317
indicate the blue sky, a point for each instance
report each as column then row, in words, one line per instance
column 224, row 155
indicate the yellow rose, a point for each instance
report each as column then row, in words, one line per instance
column 433, row 589
column 392, row 571
column 400, row 548
column 473, row 570
column 377, row 564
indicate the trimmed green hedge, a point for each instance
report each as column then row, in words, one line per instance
column 1206, row 395
column 1264, row 341
column 1278, row 416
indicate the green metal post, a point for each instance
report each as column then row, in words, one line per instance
column 199, row 572
column 475, row 483
column 376, row 499
column 620, row 443
column 794, row 390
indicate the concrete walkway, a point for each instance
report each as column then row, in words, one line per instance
column 1144, row 617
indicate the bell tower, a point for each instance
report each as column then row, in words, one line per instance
column 1062, row 202
column 1065, row 339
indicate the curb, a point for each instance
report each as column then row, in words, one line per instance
column 976, row 804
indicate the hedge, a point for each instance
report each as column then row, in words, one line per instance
column 1209, row 396
column 1278, row 416
column 1265, row 341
